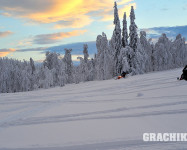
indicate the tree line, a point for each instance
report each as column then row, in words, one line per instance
column 126, row 51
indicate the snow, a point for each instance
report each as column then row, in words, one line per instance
column 102, row 115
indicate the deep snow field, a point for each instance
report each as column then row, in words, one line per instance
column 96, row 115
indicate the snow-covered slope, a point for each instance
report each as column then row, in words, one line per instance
column 100, row 115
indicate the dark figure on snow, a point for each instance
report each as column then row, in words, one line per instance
column 122, row 75
column 184, row 75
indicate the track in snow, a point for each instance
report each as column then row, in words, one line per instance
column 103, row 115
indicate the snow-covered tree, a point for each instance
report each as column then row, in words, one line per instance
column 55, row 64
column 45, row 77
column 104, row 58
column 124, row 31
column 100, row 58
column 129, row 53
column 32, row 65
column 162, row 54
column 133, row 30
column 147, row 48
column 92, row 71
column 85, row 52
column 139, row 60
column 69, row 69
column 116, row 41
column 178, row 51
column 108, row 64
column 124, row 60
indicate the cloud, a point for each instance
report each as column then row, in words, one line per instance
column 71, row 13
column 38, row 49
column 24, row 43
column 6, row 14
column 56, row 37
column 5, row 33
column 171, row 32
column 5, row 52
column 78, row 22
column 77, row 48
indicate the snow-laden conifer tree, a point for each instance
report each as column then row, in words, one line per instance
column 116, row 41
column 55, row 64
column 108, row 64
column 129, row 53
column 85, row 52
column 146, row 47
column 133, row 31
column 178, row 51
column 69, row 69
column 104, row 61
column 139, row 60
column 45, row 77
column 162, row 54
column 124, row 60
column 100, row 58
column 84, row 70
column 32, row 75
column 32, row 65
column 124, row 31
column 92, row 71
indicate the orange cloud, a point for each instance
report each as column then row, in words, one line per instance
column 5, row 33
column 56, row 37
column 5, row 52
column 78, row 22
column 24, row 43
column 71, row 13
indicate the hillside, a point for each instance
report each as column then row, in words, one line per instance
column 102, row 115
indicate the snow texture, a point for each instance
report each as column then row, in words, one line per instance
column 102, row 115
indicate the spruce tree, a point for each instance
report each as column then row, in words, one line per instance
column 68, row 65
column 85, row 52
column 32, row 65
column 116, row 39
column 124, row 31
column 133, row 30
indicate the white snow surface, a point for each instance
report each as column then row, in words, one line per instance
column 96, row 115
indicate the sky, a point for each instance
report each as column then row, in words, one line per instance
column 29, row 27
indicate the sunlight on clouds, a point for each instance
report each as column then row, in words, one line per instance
column 56, row 37
column 71, row 13
column 74, row 22
column 5, row 33
column 60, row 10
column 122, row 2
column 6, row 14
column 5, row 52
column 24, row 43
column 62, row 35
